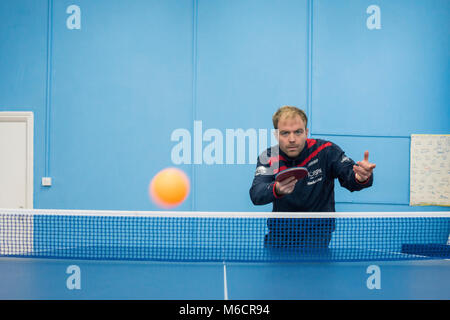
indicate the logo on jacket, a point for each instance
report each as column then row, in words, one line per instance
column 314, row 174
column 344, row 159
column 313, row 162
column 261, row 170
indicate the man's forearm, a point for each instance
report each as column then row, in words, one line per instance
column 262, row 193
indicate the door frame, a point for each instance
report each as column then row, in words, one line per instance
column 28, row 118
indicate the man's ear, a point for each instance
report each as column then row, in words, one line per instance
column 275, row 133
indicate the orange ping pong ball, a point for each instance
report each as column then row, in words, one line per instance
column 169, row 187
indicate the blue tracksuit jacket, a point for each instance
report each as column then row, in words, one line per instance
column 325, row 162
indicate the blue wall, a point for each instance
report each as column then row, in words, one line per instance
column 108, row 96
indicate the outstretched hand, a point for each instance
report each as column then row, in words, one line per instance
column 363, row 169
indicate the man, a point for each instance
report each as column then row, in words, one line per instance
column 325, row 162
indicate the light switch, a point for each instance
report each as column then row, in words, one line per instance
column 46, row 181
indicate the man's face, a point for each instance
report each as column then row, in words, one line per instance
column 292, row 135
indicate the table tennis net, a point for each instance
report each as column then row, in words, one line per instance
column 208, row 236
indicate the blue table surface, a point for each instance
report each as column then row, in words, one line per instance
column 38, row 278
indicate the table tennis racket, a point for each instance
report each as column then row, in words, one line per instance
column 297, row 172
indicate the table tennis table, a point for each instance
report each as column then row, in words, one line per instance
column 135, row 255
column 37, row 278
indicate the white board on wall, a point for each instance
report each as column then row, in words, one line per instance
column 430, row 170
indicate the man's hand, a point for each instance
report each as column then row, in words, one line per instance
column 363, row 169
column 286, row 186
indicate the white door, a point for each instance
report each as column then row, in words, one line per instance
column 16, row 160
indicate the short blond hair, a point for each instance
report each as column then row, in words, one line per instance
column 288, row 112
